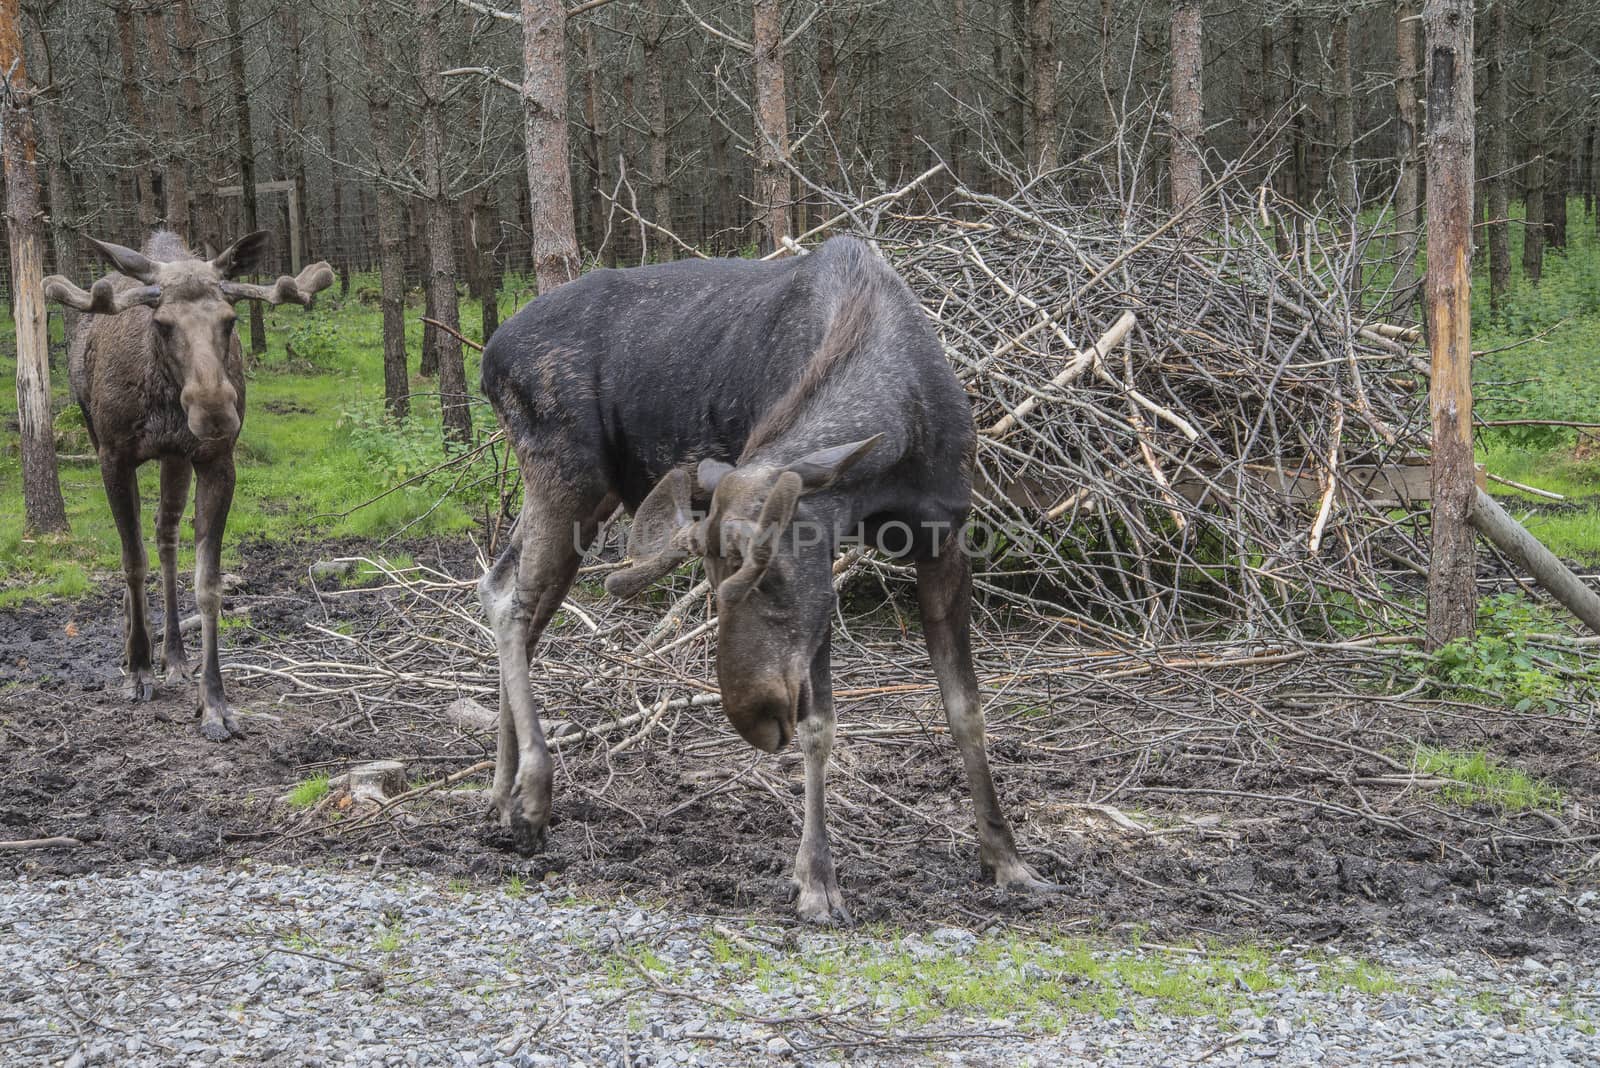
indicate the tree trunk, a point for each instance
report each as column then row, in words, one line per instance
column 63, row 204
column 1188, row 128
column 655, row 113
column 139, row 169
column 1016, row 110
column 544, row 112
column 1344, row 117
column 391, row 229
column 832, row 100
column 1452, row 592
column 772, row 128
column 41, row 488
column 1409, row 192
column 1042, row 46
column 454, row 401
column 1498, row 141
column 174, row 170
column 594, row 153
column 204, row 221
column 1533, row 237
column 336, row 240
column 295, row 162
column 1300, row 161
column 247, row 158
column 481, row 227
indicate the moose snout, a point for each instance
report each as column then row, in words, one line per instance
column 213, row 413
column 765, row 720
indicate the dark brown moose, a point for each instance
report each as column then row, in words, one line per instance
column 159, row 376
column 753, row 415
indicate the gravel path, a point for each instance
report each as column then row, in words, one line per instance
column 278, row 966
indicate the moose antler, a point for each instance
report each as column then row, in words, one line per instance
column 775, row 516
column 103, row 298
column 302, row 289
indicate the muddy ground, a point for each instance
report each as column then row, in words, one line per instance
column 139, row 787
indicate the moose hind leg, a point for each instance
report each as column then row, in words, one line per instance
column 817, row 899
column 520, row 595
column 175, row 473
column 944, row 591
column 494, row 589
column 122, row 493
column 213, row 499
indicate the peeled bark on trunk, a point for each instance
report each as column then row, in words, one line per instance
column 655, row 113
column 139, row 169
column 1187, row 122
column 1042, row 47
column 174, row 169
column 1452, row 591
column 247, row 158
column 544, row 115
column 41, row 488
column 391, row 229
column 204, row 220
column 454, row 401
column 1408, row 194
column 1533, row 238
column 772, row 128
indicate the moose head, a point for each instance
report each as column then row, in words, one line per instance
column 191, row 316
column 768, row 554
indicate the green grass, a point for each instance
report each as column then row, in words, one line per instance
column 307, row 793
column 315, row 445
column 1479, row 778
column 1538, row 362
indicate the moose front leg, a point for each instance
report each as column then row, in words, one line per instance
column 817, row 899
column 122, row 493
column 944, row 591
column 175, row 472
column 213, row 498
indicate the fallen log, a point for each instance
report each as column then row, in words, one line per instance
column 1511, row 538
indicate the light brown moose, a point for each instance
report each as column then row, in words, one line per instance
column 159, row 376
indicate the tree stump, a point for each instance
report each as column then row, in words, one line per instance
column 376, row 782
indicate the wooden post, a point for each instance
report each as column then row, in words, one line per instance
column 1452, row 593
column 41, row 486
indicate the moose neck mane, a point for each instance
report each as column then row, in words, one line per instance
column 855, row 299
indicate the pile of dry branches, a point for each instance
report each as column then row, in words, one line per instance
column 1179, row 423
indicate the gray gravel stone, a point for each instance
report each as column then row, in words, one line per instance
column 279, row 966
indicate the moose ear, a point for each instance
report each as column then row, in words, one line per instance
column 824, row 467
column 663, row 536
column 709, row 473
column 244, row 256
column 133, row 264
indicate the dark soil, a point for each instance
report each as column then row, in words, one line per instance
column 139, row 786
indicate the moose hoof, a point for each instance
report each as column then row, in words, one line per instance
column 526, row 836
column 821, row 904
column 178, row 668
column 218, row 725
column 1017, row 877
column 141, row 686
